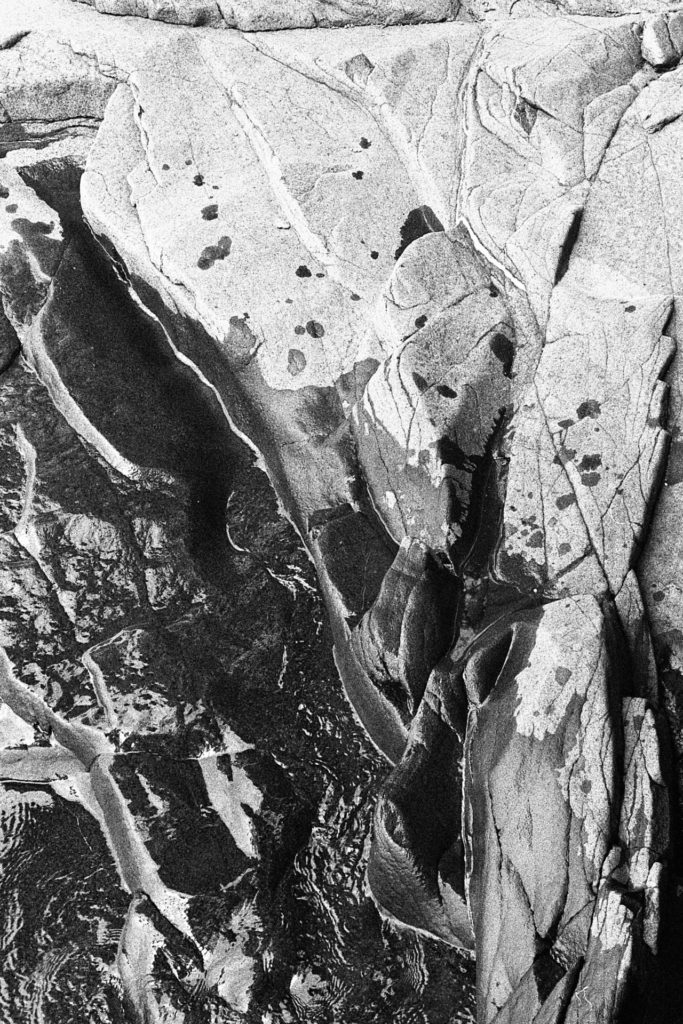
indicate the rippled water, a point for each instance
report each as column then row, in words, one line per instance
column 63, row 909
column 301, row 938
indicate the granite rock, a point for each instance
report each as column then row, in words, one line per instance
column 341, row 353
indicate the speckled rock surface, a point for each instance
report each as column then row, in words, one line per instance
column 259, row 15
column 339, row 407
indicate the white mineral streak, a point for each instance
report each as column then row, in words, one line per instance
column 138, row 947
column 137, row 869
column 644, row 811
column 100, row 687
column 14, row 731
column 231, row 969
column 86, row 743
column 233, row 798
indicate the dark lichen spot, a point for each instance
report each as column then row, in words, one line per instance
column 564, row 455
column 443, row 389
column 562, row 675
column 565, row 424
column 630, row 309
column 590, row 407
column 420, row 321
column 28, row 228
column 420, row 382
column 357, row 175
column 212, row 253
column 535, row 540
column 359, row 68
column 165, row 167
column 320, row 273
column 503, row 349
column 37, row 236
column 365, row 143
column 315, row 329
column 420, row 221
column 289, row 301
column 354, row 297
column 4, row 192
column 525, row 115
column 374, row 255
column 11, row 207
column 589, row 462
column 299, row 329
column 565, row 500
column 303, row 271
column 564, row 548
column 590, row 479
column 493, row 291
column 296, row 361
column 658, row 595
column 198, row 179
column 188, row 162
column 210, row 212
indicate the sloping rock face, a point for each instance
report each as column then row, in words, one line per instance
column 257, row 15
column 340, row 610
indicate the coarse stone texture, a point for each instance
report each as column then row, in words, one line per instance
column 340, row 344
column 259, row 15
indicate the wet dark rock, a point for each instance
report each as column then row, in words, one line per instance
column 9, row 342
column 409, row 626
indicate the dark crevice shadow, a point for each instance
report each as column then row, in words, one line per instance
column 116, row 364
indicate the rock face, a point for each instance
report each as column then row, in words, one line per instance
column 340, row 359
column 259, row 15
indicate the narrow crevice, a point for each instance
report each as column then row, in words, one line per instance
column 568, row 246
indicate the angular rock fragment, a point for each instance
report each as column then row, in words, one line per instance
column 416, row 868
column 428, row 414
column 543, row 741
column 524, row 177
column 49, row 92
column 602, row 983
column 644, row 826
column 549, row 680
column 409, row 627
column 663, row 39
column 31, row 246
column 600, row 466
column 356, row 554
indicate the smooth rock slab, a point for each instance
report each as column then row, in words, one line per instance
column 543, row 755
column 429, row 412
